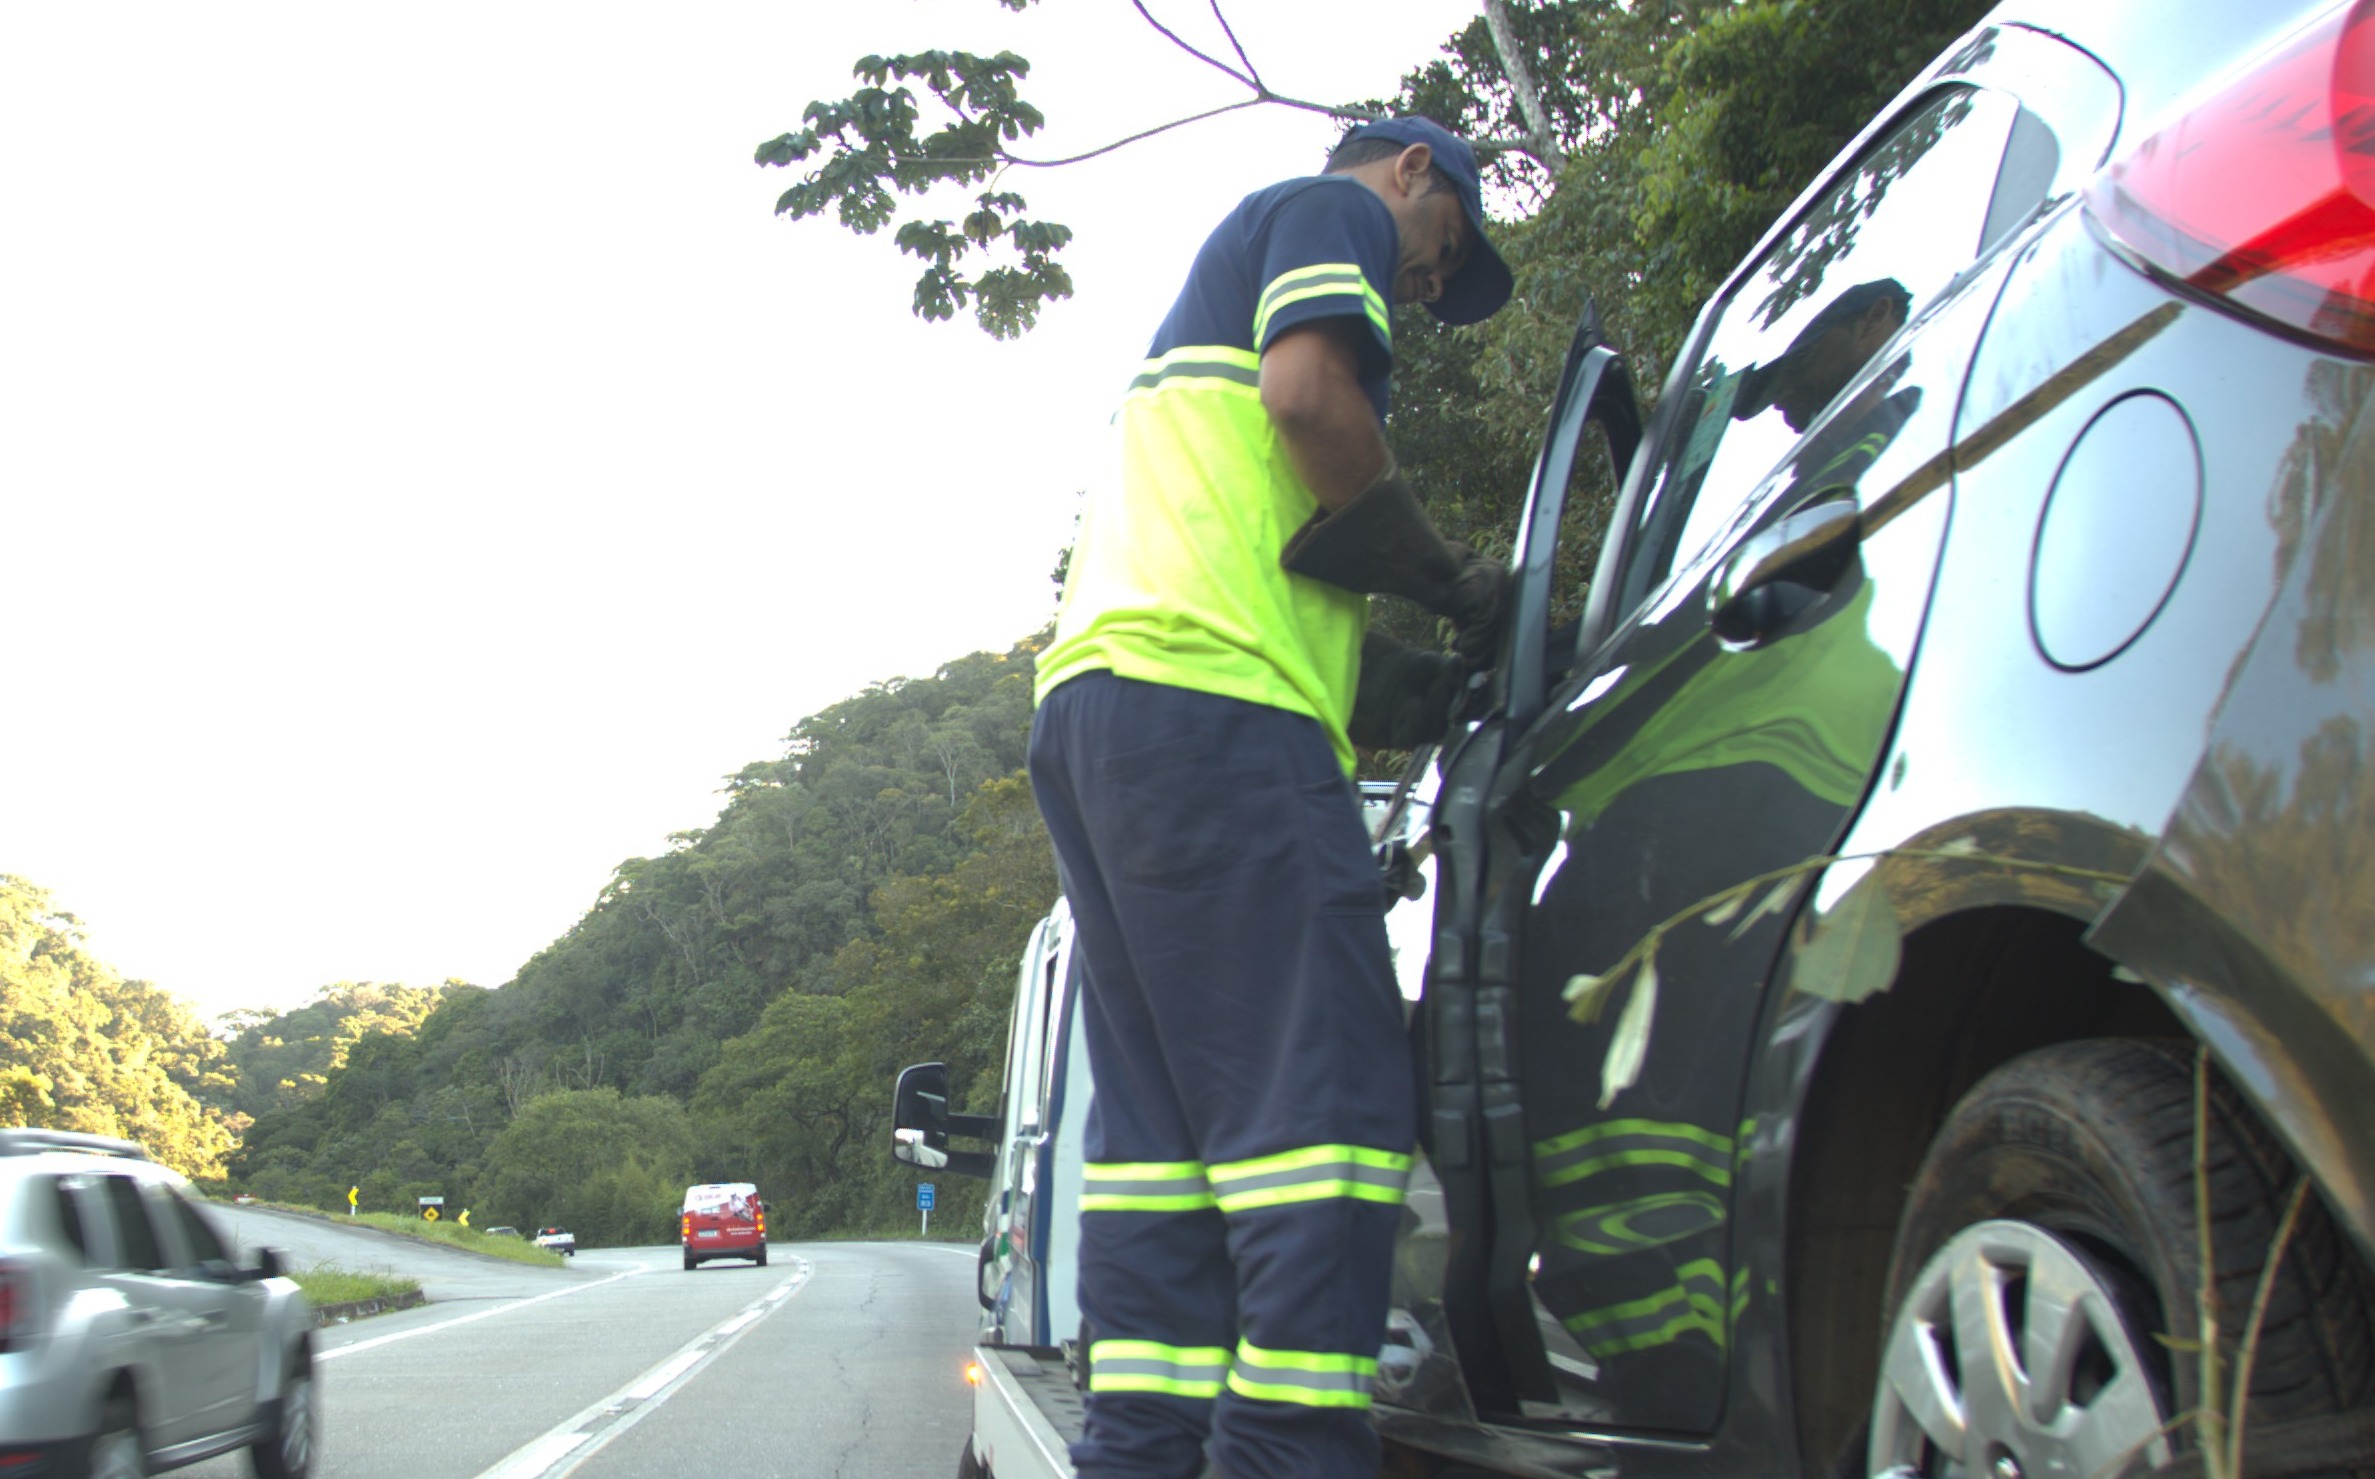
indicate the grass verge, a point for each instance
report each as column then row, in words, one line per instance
column 327, row 1283
column 453, row 1235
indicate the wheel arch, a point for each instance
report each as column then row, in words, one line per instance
column 1976, row 988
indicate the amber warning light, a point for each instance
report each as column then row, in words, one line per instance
column 973, row 1373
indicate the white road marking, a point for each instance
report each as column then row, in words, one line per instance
column 557, row 1452
column 502, row 1309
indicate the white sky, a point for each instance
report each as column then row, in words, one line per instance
column 427, row 467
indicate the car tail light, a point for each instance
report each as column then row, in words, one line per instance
column 2264, row 194
column 685, row 1229
column 973, row 1373
column 16, row 1313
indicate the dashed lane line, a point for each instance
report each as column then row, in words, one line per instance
column 552, row 1455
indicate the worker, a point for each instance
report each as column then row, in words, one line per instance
column 1254, row 1119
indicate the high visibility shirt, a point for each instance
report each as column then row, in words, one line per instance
column 1175, row 576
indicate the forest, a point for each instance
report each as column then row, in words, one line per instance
column 736, row 1007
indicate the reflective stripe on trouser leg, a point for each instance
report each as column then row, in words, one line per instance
column 1150, row 1366
column 1309, row 1173
column 1308, row 1378
column 1144, row 1186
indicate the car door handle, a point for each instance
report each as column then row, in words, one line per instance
column 1811, row 546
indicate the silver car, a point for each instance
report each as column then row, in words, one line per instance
column 130, row 1339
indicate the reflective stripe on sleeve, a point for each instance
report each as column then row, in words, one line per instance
column 1308, row 1378
column 1205, row 364
column 1321, row 280
column 1310, row 1174
column 1148, row 1366
column 1144, row 1186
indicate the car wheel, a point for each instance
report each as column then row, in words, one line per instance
column 292, row 1425
column 761, row 1260
column 2047, row 1271
column 969, row 1467
column 691, row 1263
column 116, row 1453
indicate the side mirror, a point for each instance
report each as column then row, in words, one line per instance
column 921, row 1125
column 267, row 1266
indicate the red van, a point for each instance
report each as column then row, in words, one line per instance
column 723, row 1219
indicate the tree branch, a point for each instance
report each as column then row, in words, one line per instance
column 1540, row 142
column 1238, row 46
column 1173, row 37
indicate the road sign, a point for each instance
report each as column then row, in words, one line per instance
column 923, row 1196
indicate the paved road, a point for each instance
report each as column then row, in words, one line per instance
column 838, row 1359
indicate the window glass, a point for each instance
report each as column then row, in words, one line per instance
column 137, row 1245
column 198, row 1237
column 57, row 1219
column 1822, row 306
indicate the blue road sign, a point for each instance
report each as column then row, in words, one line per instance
column 923, row 1196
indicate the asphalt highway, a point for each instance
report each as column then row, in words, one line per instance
column 837, row 1359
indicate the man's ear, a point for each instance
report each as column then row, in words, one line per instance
column 1411, row 166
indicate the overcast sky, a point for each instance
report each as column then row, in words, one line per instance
column 429, row 467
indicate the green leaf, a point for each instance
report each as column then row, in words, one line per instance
column 1855, row 947
column 1628, row 1048
column 1776, row 901
column 1723, row 913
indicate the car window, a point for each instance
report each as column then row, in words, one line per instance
column 199, row 1241
column 1824, row 303
column 137, row 1246
column 56, row 1223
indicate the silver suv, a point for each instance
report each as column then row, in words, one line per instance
column 130, row 1339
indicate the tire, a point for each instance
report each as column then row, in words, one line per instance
column 691, row 1263
column 116, row 1451
column 2054, row 1220
column 969, row 1467
column 761, row 1260
column 293, row 1427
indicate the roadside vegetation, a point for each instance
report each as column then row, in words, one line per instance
column 327, row 1283
column 518, row 1250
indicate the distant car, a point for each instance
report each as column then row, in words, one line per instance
column 243, row 1198
column 557, row 1240
column 503, row 1232
column 724, row 1219
column 131, row 1341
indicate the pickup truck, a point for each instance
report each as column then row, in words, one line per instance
column 1896, row 939
column 557, row 1240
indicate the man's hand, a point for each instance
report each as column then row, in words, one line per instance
column 1382, row 543
column 1405, row 695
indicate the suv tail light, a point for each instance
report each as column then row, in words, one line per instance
column 685, row 1227
column 2264, row 193
column 16, row 1313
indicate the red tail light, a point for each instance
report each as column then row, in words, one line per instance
column 15, row 1315
column 2264, row 194
column 685, row 1226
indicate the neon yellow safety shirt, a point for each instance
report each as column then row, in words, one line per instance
column 1175, row 575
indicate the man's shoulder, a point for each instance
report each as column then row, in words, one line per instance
column 1312, row 196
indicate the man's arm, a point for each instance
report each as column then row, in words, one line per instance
column 1311, row 386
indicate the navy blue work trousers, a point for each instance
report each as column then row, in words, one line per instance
column 1254, row 1115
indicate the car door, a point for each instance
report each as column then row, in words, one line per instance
column 229, row 1311
column 1746, row 640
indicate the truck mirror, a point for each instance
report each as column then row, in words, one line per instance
column 921, row 1124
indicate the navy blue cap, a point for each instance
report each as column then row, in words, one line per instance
column 1482, row 284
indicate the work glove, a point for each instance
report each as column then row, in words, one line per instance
column 1382, row 543
column 1405, row 695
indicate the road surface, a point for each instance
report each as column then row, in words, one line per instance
column 838, row 1359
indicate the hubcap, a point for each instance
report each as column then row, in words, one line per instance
column 2010, row 1357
